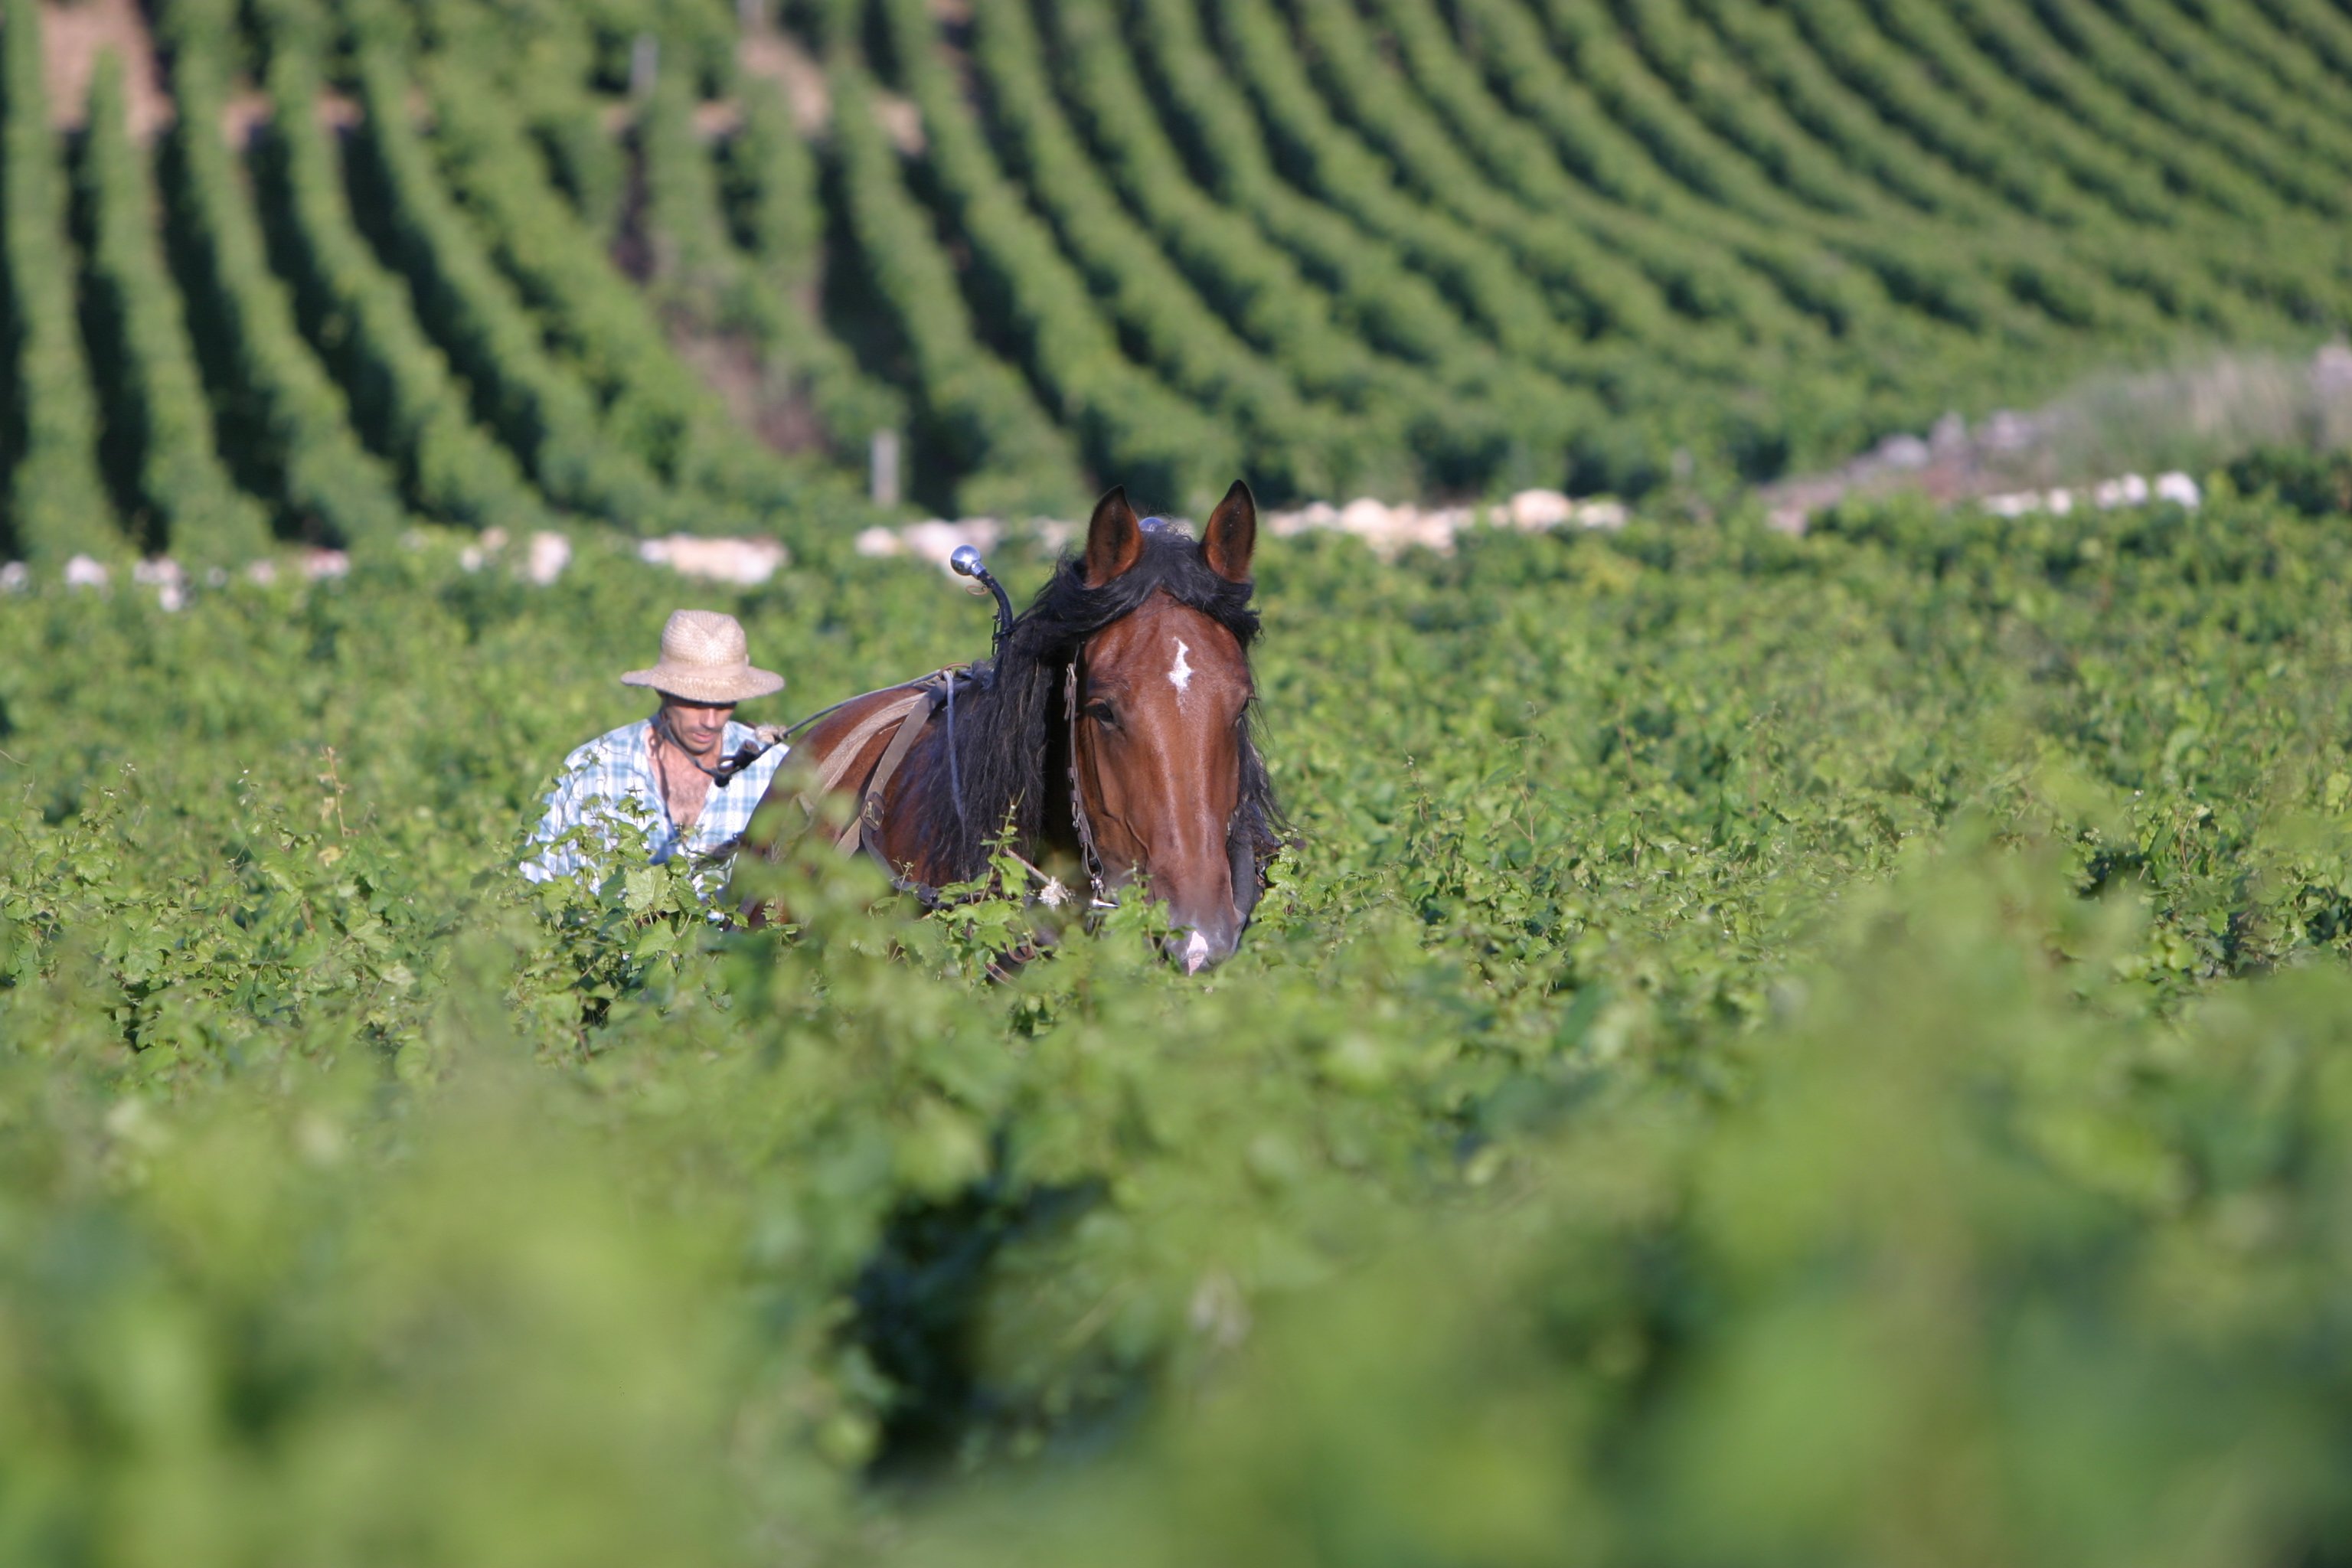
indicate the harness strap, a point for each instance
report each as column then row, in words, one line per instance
column 869, row 805
column 932, row 694
column 845, row 756
column 909, row 725
column 1095, row 884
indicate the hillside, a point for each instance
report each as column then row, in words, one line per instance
column 316, row 270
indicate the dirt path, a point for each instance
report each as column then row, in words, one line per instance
column 778, row 56
column 73, row 36
column 2108, row 429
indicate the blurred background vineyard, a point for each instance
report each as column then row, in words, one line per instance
column 282, row 266
column 1771, row 1046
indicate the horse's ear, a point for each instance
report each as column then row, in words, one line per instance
column 1114, row 538
column 1231, row 534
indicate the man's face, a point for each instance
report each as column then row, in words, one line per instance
column 698, row 726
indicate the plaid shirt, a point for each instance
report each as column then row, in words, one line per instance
column 610, row 783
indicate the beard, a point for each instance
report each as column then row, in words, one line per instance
column 697, row 738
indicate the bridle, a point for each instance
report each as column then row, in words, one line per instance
column 1101, row 895
column 1246, row 863
column 1241, row 855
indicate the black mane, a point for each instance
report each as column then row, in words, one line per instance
column 1004, row 737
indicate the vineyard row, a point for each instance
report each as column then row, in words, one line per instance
column 494, row 265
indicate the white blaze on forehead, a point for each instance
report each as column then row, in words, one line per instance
column 1180, row 674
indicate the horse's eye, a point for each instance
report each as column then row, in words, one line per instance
column 1102, row 712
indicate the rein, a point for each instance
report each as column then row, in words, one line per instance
column 1101, row 894
column 745, row 754
column 765, row 738
column 908, row 724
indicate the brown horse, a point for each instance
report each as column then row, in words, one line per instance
column 1112, row 734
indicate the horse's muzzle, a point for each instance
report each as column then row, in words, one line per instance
column 1193, row 948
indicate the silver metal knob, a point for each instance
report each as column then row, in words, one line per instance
column 966, row 562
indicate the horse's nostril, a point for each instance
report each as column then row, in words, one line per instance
column 1195, row 951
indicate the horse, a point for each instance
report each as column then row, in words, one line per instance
column 1114, row 730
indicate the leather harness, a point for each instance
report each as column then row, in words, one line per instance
column 933, row 694
column 861, row 832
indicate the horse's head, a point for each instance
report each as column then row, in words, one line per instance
column 1166, row 777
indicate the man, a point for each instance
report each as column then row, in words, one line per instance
column 661, row 770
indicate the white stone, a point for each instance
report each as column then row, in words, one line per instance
column 1363, row 517
column 317, row 564
column 2130, row 489
column 81, row 572
column 550, row 553
column 2179, row 488
column 1534, row 511
column 2016, row 504
column 1388, row 531
column 746, row 563
column 1430, row 529
column 264, row 572
column 15, row 577
column 164, row 576
column 2060, row 502
column 935, row 540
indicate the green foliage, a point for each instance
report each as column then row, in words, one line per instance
column 542, row 412
column 57, row 507
column 1793, row 1049
column 2319, row 483
column 1987, row 1265
column 773, row 204
column 1386, row 247
column 1529, row 419
column 283, row 425
column 768, row 298
column 403, row 398
column 1434, row 412
column 978, row 417
column 160, row 428
column 595, row 318
column 1294, row 450
column 1126, row 421
column 1763, row 1046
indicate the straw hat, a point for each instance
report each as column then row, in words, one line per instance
column 704, row 658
